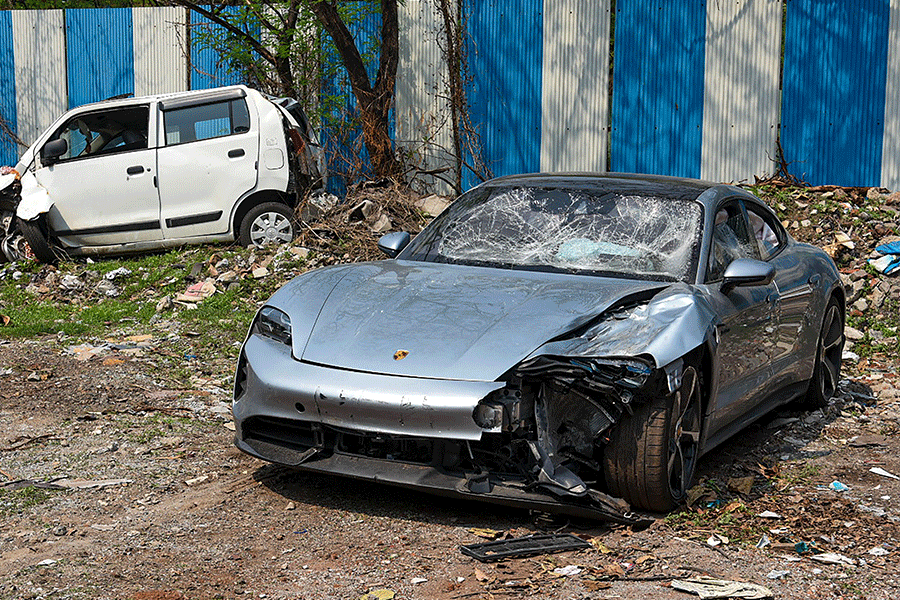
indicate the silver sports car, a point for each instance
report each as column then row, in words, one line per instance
column 565, row 343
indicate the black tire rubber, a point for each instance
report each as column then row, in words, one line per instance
column 829, row 348
column 36, row 234
column 245, row 237
column 639, row 461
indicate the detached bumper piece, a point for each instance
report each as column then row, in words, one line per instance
column 533, row 545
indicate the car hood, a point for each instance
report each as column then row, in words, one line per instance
column 450, row 321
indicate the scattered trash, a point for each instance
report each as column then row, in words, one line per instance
column 102, row 527
column 117, row 273
column 567, row 571
column 831, row 558
column 382, row 594
column 882, row 472
column 776, row 574
column 707, row 587
column 837, row 486
column 197, row 292
column 890, row 262
column 717, row 539
column 533, row 545
column 763, row 542
column 229, row 425
column 488, row 534
column 196, row 480
column 803, row 547
column 46, row 562
column 847, row 355
column 864, row 441
column 878, row 551
column 417, row 580
column 89, row 484
column 768, row 514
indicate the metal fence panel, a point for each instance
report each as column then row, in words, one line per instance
column 160, row 50
column 890, row 154
column 741, row 95
column 99, row 54
column 505, row 63
column 657, row 111
column 575, row 98
column 9, row 152
column 40, row 70
column 424, row 127
column 835, row 69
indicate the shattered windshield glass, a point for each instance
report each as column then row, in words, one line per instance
column 567, row 230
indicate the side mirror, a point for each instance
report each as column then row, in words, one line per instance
column 747, row 272
column 51, row 151
column 392, row 243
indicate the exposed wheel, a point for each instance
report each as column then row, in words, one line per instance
column 267, row 224
column 37, row 235
column 651, row 455
column 829, row 349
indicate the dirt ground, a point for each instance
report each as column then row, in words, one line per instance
column 194, row 518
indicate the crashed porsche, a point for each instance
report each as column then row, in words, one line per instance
column 565, row 343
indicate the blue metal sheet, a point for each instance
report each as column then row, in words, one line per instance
column 209, row 68
column 99, row 54
column 835, row 70
column 657, row 108
column 348, row 159
column 505, row 59
column 9, row 150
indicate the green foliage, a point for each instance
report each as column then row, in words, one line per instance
column 16, row 501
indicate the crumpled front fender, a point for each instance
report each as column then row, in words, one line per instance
column 35, row 200
column 672, row 324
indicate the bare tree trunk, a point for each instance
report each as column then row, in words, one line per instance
column 453, row 39
column 374, row 102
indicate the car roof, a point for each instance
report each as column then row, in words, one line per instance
column 662, row 186
column 133, row 100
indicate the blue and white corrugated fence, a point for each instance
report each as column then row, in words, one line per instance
column 688, row 87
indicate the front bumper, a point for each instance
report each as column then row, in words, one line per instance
column 290, row 413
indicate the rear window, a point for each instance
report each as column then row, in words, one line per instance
column 206, row 121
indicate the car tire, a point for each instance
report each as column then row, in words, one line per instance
column 36, row 234
column 829, row 348
column 267, row 223
column 652, row 453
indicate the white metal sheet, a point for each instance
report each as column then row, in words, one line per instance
column 160, row 50
column 423, row 123
column 575, row 88
column 39, row 46
column 741, row 96
column 890, row 152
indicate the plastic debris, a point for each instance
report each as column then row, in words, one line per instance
column 46, row 562
column 763, row 542
column 890, row 262
column 831, row 558
column 768, row 514
column 717, row 539
column 567, row 571
column 533, row 545
column 878, row 551
column 197, row 292
column 803, row 547
column 117, row 273
column 417, row 580
column 776, row 574
column 882, row 472
column 837, row 486
column 707, row 587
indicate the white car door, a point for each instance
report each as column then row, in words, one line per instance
column 102, row 188
column 207, row 160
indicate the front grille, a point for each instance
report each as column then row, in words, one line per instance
column 286, row 433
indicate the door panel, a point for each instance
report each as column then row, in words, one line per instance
column 208, row 162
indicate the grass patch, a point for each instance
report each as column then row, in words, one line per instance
column 16, row 501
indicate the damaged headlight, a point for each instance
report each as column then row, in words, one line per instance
column 273, row 324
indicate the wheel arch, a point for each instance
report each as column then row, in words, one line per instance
column 255, row 199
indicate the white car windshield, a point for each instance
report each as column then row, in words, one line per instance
column 569, row 230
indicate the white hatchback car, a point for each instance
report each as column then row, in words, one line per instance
column 135, row 174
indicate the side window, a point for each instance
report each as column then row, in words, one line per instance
column 206, row 121
column 731, row 239
column 765, row 229
column 105, row 132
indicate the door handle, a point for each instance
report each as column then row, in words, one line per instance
column 236, row 153
column 135, row 170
